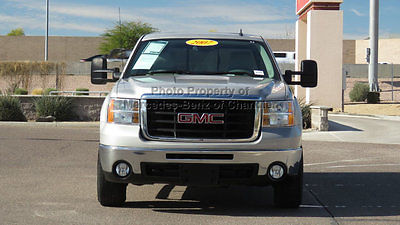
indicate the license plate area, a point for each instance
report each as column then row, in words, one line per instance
column 198, row 174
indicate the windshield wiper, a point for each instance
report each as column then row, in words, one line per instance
column 236, row 73
column 168, row 71
column 151, row 72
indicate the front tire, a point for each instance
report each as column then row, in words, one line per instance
column 289, row 192
column 108, row 193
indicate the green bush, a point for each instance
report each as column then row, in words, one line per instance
column 306, row 112
column 20, row 91
column 58, row 106
column 10, row 109
column 359, row 92
column 47, row 91
column 373, row 97
column 82, row 89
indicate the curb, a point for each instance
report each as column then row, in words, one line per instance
column 51, row 124
column 375, row 117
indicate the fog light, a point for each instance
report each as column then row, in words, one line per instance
column 122, row 169
column 276, row 171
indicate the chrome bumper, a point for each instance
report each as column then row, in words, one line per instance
column 135, row 156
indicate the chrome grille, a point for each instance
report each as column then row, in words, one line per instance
column 239, row 119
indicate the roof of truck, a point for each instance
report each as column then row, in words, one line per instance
column 233, row 36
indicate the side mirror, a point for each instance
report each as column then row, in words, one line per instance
column 308, row 74
column 98, row 71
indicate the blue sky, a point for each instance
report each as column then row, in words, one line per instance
column 270, row 18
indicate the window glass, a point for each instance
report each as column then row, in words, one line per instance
column 203, row 57
column 280, row 55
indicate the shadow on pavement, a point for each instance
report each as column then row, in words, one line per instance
column 334, row 126
column 341, row 195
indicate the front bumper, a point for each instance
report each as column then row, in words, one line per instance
column 136, row 157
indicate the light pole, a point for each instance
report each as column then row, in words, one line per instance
column 373, row 43
column 46, row 41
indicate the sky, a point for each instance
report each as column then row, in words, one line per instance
column 270, row 18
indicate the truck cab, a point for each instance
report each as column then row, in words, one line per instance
column 201, row 109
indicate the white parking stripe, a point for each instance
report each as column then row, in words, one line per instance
column 367, row 165
column 344, row 160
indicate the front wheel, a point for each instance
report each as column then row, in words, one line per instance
column 108, row 193
column 288, row 193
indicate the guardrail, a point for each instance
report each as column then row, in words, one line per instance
column 74, row 93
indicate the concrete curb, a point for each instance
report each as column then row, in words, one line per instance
column 51, row 124
column 375, row 117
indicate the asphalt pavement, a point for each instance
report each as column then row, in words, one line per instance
column 362, row 129
column 352, row 176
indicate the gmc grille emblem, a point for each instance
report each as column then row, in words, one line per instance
column 205, row 118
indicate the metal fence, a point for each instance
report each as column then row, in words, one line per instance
column 74, row 93
column 388, row 77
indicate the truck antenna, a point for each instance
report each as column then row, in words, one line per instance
column 120, row 26
column 241, row 32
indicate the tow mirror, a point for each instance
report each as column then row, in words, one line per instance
column 307, row 77
column 98, row 71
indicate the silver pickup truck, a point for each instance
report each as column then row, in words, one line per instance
column 192, row 109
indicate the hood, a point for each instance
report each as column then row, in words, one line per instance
column 209, row 86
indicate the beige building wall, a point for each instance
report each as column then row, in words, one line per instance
column 301, row 53
column 349, row 48
column 31, row 48
column 286, row 45
column 389, row 51
column 326, row 36
column 349, row 51
column 323, row 31
column 71, row 49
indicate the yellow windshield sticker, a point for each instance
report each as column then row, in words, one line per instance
column 201, row 42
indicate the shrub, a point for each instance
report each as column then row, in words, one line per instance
column 47, row 91
column 291, row 89
column 37, row 91
column 306, row 112
column 10, row 109
column 20, row 91
column 359, row 92
column 373, row 97
column 82, row 89
column 57, row 106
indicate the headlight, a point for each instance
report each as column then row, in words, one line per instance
column 123, row 111
column 278, row 113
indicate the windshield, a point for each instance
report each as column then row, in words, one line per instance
column 200, row 56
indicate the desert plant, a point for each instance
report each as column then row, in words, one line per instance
column 306, row 113
column 82, row 89
column 20, row 91
column 58, row 106
column 37, row 91
column 47, row 91
column 10, row 109
column 17, row 32
column 124, row 35
column 359, row 92
column 291, row 87
column 11, row 88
